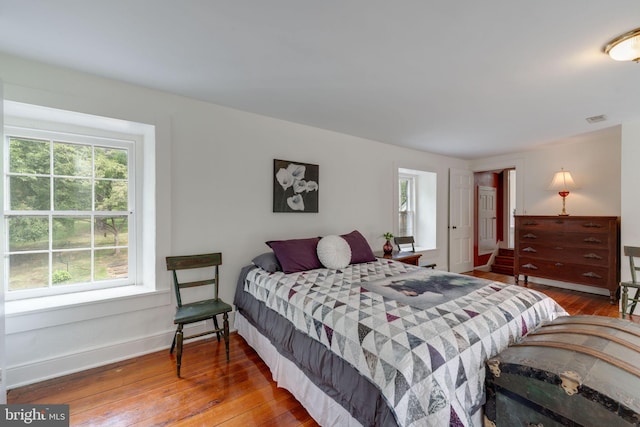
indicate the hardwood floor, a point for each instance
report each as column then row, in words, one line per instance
column 146, row 392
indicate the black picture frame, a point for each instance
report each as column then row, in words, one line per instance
column 295, row 186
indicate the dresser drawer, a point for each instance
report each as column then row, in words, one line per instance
column 587, row 256
column 564, row 239
column 582, row 225
column 591, row 275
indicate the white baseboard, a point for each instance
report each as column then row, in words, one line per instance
column 57, row 366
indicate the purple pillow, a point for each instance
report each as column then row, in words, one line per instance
column 360, row 249
column 296, row 254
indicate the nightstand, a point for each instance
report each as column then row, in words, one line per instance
column 406, row 257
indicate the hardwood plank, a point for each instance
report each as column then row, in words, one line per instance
column 145, row 391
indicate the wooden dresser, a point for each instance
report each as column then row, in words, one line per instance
column 576, row 249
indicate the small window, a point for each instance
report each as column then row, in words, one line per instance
column 417, row 206
column 70, row 213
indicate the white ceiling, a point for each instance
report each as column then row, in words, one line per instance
column 463, row 78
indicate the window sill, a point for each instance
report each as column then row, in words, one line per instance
column 36, row 313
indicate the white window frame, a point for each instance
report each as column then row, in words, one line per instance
column 411, row 212
column 33, row 121
column 424, row 199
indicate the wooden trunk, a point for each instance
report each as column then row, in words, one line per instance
column 577, row 249
column 574, row 371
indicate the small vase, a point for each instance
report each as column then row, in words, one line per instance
column 387, row 248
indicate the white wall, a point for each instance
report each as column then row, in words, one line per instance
column 214, row 186
column 593, row 160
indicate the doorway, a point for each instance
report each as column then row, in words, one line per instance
column 494, row 209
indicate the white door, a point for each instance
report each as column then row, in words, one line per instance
column 486, row 219
column 460, row 220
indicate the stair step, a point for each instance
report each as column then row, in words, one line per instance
column 502, row 269
column 503, row 260
column 505, row 252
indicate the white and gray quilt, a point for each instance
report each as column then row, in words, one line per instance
column 420, row 335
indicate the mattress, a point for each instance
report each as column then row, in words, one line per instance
column 391, row 343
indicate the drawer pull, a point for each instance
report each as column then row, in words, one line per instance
column 529, row 249
column 592, row 225
column 559, row 264
column 530, row 266
column 592, row 256
column 559, row 248
column 530, row 223
column 529, row 236
column 592, row 240
column 592, row 275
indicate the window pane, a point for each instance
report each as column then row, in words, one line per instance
column 71, row 159
column 71, row 267
column 28, row 233
column 111, row 264
column 29, row 156
column 29, row 193
column 111, row 231
column 111, row 195
column 28, row 271
column 71, row 232
column 111, row 163
column 72, row 194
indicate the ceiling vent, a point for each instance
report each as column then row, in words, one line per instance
column 596, row 119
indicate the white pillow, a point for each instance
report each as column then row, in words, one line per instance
column 334, row 252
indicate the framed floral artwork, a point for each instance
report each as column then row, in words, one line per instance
column 295, row 186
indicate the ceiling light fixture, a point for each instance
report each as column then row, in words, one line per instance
column 625, row 47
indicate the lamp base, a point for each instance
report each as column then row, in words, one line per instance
column 564, row 195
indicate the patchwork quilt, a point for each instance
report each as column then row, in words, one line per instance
column 420, row 335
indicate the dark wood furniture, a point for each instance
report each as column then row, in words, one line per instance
column 199, row 310
column 406, row 257
column 574, row 371
column 576, row 249
column 631, row 252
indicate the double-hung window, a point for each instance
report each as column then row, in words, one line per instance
column 417, row 207
column 69, row 209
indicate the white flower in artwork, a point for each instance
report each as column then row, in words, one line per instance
column 285, row 178
column 296, row 202
column 297, row 171
column 299, row 186
column 311, row 186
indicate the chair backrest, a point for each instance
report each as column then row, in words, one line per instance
column 187, row 262
column 632, row 252
column 404, row 240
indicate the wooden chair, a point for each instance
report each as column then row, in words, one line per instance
column 631, row 252
column 405, row 240
column 198, row 310
column 409, row 240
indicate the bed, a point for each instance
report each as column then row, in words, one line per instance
column 381, row 342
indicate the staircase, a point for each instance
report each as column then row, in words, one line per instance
column 503, row 262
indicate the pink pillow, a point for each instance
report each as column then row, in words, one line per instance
column 296, row 254
column 360, row 249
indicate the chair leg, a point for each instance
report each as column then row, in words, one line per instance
column 173, row 344
column 215, row 324
column 625, row 296
column 635, row 301
column 225, row 324
column 179, row 342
